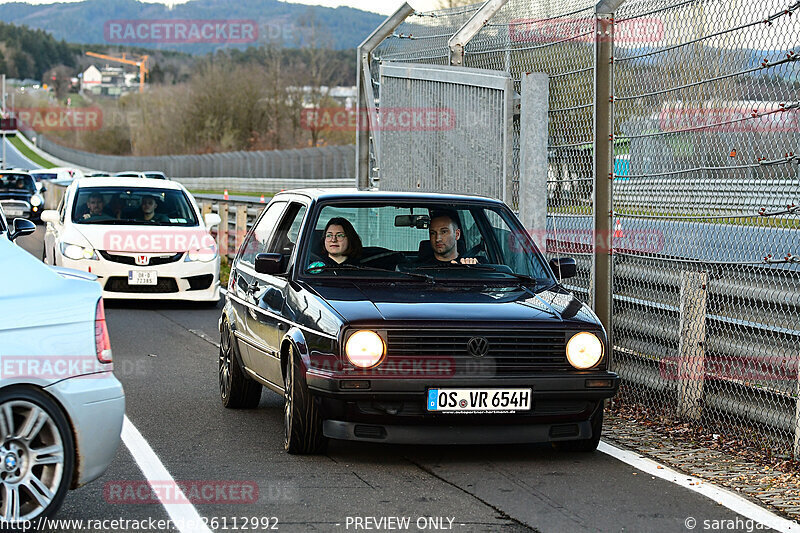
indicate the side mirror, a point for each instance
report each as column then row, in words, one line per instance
column 21, row 227
column 50, row 215
column 270, row 264
column 564, row 267
column 212, row 219
column 43, row 189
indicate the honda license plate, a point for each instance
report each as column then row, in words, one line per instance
column 479, row 400
column 142, row 277
column 13, row 212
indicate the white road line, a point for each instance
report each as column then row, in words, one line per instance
column 724, row 497
column 184, row 515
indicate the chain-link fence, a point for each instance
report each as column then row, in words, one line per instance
column 706, row 187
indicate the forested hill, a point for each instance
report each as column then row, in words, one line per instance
column 291, row 25
column 27, row 53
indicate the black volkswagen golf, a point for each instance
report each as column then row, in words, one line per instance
column 409, row 318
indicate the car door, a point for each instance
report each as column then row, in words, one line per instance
column 241, row 293
column 53, row 233
column 267, row 322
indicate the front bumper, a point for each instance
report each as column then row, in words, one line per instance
column 95, row 407
column 21, row 209
column 194, row 281
column 395, row 411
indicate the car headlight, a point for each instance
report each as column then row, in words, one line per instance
column 205, row 255
column 365, row 349
column 76, row 252
column 36, row 200
column 584, row 350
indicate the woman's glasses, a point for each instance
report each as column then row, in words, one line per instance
column 339, row 236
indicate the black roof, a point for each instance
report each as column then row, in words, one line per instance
column 377, row 195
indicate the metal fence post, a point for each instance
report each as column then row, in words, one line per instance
column 222, row 234
column 692, row 350
column 796, row 445
column 601, row 284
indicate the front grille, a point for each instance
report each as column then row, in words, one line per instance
column 120, row 284
column 130, row 260
column 511, row 352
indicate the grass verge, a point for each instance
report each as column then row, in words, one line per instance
column 28, row 153
column 224, row 271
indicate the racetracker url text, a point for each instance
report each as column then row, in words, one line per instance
column 233, row 523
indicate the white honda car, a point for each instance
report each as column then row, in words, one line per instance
column 142, row 238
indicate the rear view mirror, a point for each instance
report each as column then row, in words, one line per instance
column 564, row 267
column 269, row 264
column 21, row 227
column 412, row 221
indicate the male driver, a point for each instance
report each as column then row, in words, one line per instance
column 444, row 234
column 95, row 205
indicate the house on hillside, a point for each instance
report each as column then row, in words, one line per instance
column 108, row 81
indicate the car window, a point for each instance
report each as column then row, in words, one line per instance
column 10, row 183
column 259, row 238
column 405, row 237
column 288, row 230
column 133, row 205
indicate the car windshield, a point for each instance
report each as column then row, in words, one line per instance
column 16, row 183
column 154, row 175
column 133, row 205
column 434, row 241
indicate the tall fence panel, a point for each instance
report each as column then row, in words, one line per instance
column 706, row 104
column 456, row 123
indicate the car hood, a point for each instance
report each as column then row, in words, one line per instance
column 404, row 303
column 149, row 239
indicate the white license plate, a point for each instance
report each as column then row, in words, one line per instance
column 142, row 277
column 479, row 400
column 13, row 212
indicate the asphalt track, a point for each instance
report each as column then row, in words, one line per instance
column 166, row 357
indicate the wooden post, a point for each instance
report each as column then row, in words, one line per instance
column 222, row 234
column 691, row 366
column 205, row 208
column 241, row 224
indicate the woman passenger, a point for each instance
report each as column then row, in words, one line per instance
column 341, row 243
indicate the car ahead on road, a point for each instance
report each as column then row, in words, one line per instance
column 152, row 174
column 61, row 408
column 142, row 238
column 57, row 173
column 393, row 344
column 19, row 195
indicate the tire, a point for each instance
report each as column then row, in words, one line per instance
column 585, row 445
column 236, row 390
column 38, row 482
column 301, row 418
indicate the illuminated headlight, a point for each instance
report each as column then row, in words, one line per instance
column 36, row 200
column 584, row 350
column 205, row 255
column 365, row 349
column 75, row 252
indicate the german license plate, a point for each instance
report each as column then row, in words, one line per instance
column 142, row 277
column 13, row 212
column 479, row 400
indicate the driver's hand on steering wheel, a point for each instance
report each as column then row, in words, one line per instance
column 466, row 261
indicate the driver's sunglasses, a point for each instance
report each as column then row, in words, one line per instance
column 339, row 236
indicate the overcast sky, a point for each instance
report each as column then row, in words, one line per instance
column 385, row 7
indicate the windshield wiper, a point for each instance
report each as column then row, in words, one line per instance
column 329, row 268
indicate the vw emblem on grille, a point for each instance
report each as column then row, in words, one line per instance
column 478, row 346
column 141, row 260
